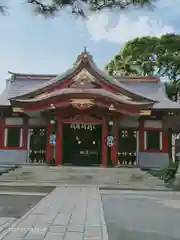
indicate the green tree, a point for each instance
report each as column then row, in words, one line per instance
column 172, row 88
column 139, row 51
column 152, row 56
column 78, row 6
column 157, row 57
column 122, row 66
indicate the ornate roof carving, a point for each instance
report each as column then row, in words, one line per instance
column 84, row 57
column 84, row 80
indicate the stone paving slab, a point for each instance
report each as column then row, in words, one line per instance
column 142, row 215
column 67, row 213
column 6, row 222
column 22, row 193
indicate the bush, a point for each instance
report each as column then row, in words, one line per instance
column 170, row 174
column 166, row 174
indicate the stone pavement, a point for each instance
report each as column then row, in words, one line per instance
column 65, row 214
column 142, row 215
column 6, row 222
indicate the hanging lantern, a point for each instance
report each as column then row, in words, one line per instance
column 111, row 107
column 110, row 123
column 52, row 122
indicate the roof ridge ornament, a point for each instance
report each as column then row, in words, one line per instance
column 84, row 56
column 85, row 49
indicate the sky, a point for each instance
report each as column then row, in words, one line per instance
column 33, row 44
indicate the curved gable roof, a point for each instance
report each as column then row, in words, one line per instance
column 96, row 92
column 147, row 90
column 85, row 60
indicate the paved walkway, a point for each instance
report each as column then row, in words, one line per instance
column 6, row 222
column 65, row 214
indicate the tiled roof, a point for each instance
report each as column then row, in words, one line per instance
column 85, row 60
column 149, row 88
column 17, row 87
column 155, row 91
column 97, row 92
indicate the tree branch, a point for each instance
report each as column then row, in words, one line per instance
column 45, row 9
column 77, row 5
column 55, row 6
column 3, row 9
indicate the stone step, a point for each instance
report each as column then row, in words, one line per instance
column 83, row 175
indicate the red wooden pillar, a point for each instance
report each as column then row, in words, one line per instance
column 141, row 135
column 1, row 132
column 104, row 159
column 59, row 142
column 165, row 142
column 49, row 147
column 25, row 132
column 114, row 148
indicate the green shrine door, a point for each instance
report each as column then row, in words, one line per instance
column 127, row 146
column 37, row 145
column 82, row 144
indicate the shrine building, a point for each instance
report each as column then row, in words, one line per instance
column 84, row 117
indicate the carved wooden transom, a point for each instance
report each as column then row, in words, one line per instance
column 84, row 80
column 82, row 103
column 83, row 118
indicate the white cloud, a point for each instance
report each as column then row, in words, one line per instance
column 173, row 6
column 131, row 24
column 126, row 29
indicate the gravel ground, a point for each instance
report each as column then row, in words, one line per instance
column 17, row 205
column 35, row 189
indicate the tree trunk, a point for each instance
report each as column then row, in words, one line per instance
column 170, row 145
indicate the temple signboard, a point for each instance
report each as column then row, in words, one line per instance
column 145, row 112
column 17, row 109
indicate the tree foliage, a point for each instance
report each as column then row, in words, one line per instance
column 77, row 6
column 150, row 56
column 172, row 89
column 122, row 64
column 156, row 57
